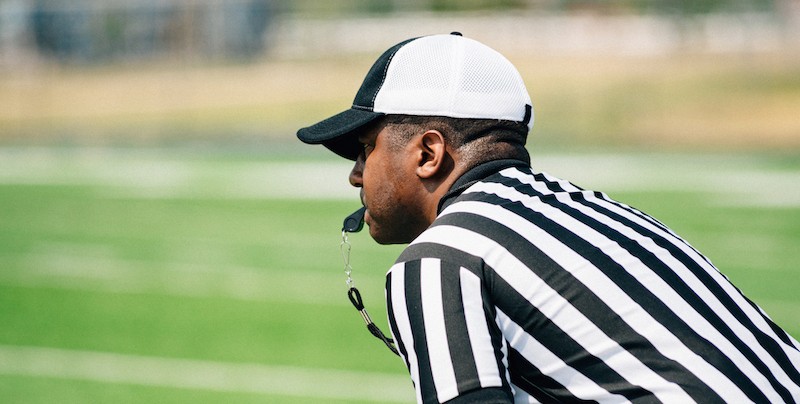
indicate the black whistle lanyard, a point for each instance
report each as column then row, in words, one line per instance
column 353, row 224
column 355, row 298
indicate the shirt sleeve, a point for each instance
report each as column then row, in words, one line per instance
column 445, row 330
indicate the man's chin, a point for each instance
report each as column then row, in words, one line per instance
column 383, row 238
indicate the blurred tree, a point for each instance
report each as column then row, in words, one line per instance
column 471, row 5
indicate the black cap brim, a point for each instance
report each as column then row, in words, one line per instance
column 338, row 133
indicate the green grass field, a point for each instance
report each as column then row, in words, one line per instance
column 147, row 275
column 146, row 256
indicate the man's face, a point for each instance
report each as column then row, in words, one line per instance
column 389, row 186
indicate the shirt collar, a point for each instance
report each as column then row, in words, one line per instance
column 474, row 175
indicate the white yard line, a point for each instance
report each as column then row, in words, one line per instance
column 79, row 269
column 192, row 374
column 731, row 180
column 155, row 175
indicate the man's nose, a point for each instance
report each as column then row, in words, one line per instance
column 356, row 173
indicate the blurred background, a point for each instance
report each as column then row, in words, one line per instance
column 164, row 236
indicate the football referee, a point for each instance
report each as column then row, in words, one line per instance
column 517, row 286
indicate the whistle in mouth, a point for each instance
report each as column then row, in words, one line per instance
column 355, row 222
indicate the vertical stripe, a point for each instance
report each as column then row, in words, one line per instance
column 403, row 324
column 395, row 331
column 456, row 329
column 416, row 320
column 441, row 366
column 483, row 349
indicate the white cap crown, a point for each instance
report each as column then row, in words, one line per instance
column 449, row 75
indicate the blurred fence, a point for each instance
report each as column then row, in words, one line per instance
column 537, row 33
column 97, row 31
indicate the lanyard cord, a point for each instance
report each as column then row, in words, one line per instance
column 355, row 297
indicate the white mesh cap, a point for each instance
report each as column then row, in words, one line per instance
column 453, row 76
column 438, row 75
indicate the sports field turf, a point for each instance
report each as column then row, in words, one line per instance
column 134, row 275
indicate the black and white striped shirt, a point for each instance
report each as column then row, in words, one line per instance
column 529, row 288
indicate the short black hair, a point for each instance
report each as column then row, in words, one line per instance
column 478, row 140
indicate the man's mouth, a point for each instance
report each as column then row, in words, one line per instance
column 364, row 204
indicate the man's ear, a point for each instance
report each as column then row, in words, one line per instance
column 431, row 154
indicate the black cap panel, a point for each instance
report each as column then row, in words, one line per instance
column 365, row 97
